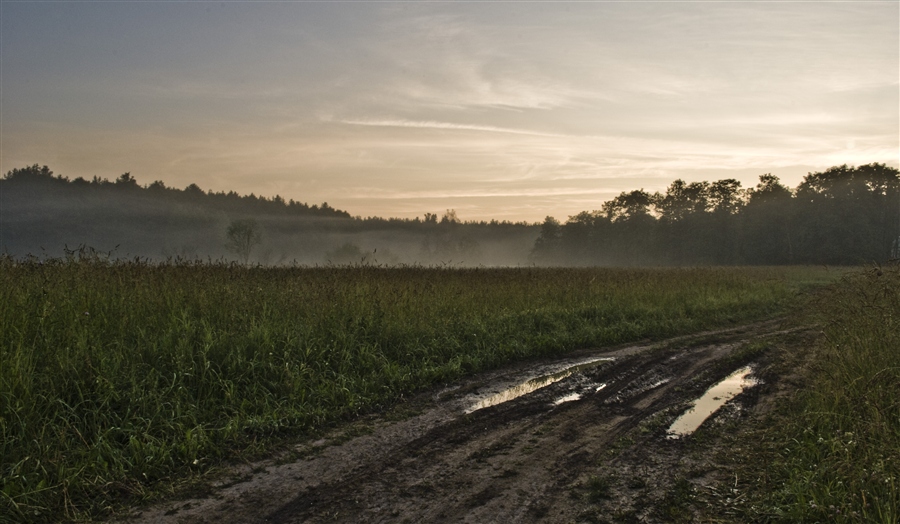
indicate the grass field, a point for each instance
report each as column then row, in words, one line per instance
column 832, row 453
column 120, row 378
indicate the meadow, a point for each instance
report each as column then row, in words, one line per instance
column 120, row 379
column 832, row 452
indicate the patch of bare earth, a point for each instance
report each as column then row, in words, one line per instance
column 590, row 446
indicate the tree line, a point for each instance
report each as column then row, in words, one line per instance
column 843, row 215
column 38, row 181
column 42, row 212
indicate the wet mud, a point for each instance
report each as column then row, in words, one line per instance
column 585, row 438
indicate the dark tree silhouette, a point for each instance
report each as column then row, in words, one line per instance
column 843, row 215
column 242, row 236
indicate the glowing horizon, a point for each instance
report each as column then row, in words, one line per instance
column 499, row 110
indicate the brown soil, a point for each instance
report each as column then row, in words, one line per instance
column 601, row 458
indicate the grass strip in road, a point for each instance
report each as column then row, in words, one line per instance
column 120, row 378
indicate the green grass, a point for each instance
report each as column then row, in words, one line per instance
column 599, row 487
column 120, row 378
column 832, row 454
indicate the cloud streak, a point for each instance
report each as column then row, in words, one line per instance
column 430, row 124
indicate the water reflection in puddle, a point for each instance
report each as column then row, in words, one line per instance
column 714, row 398
column 576, row 395
column 536, row 383
column 568, row 398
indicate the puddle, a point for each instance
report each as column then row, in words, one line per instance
column 714, row 398
column 568, row 398
column 576, row 395
column 533, row 384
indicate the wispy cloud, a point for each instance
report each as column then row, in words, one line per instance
column 443, row 60
column 528, row 108
column 430, row 124
column 368, row 193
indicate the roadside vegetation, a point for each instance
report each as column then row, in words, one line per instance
column 120, row 379
column 832, row 452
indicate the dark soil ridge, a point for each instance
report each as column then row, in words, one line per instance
column 602, row 458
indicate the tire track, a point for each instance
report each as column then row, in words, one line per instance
column 517, row 461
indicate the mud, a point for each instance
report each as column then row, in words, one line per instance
column 587, row 442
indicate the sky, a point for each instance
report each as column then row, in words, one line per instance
column 508, row 110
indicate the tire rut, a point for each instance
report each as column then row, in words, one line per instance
column 524, row 460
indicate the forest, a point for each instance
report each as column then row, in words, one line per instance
column 43, row 214
column 843, row 215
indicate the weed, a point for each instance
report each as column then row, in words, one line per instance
column 629, row 516
column 675, row 506
column 599, row 487
column 636, row 483
column 591, row 516
column 619, row 445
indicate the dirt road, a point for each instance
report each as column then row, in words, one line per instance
column 588, row 444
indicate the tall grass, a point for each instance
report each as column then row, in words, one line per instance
column 119, row 377
column 834, row 454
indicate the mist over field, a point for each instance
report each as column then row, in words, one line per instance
column 842, row 215
column 43, row 215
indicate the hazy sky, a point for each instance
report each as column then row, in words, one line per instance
column 509, row 110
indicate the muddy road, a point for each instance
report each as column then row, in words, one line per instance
column 580, row 439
